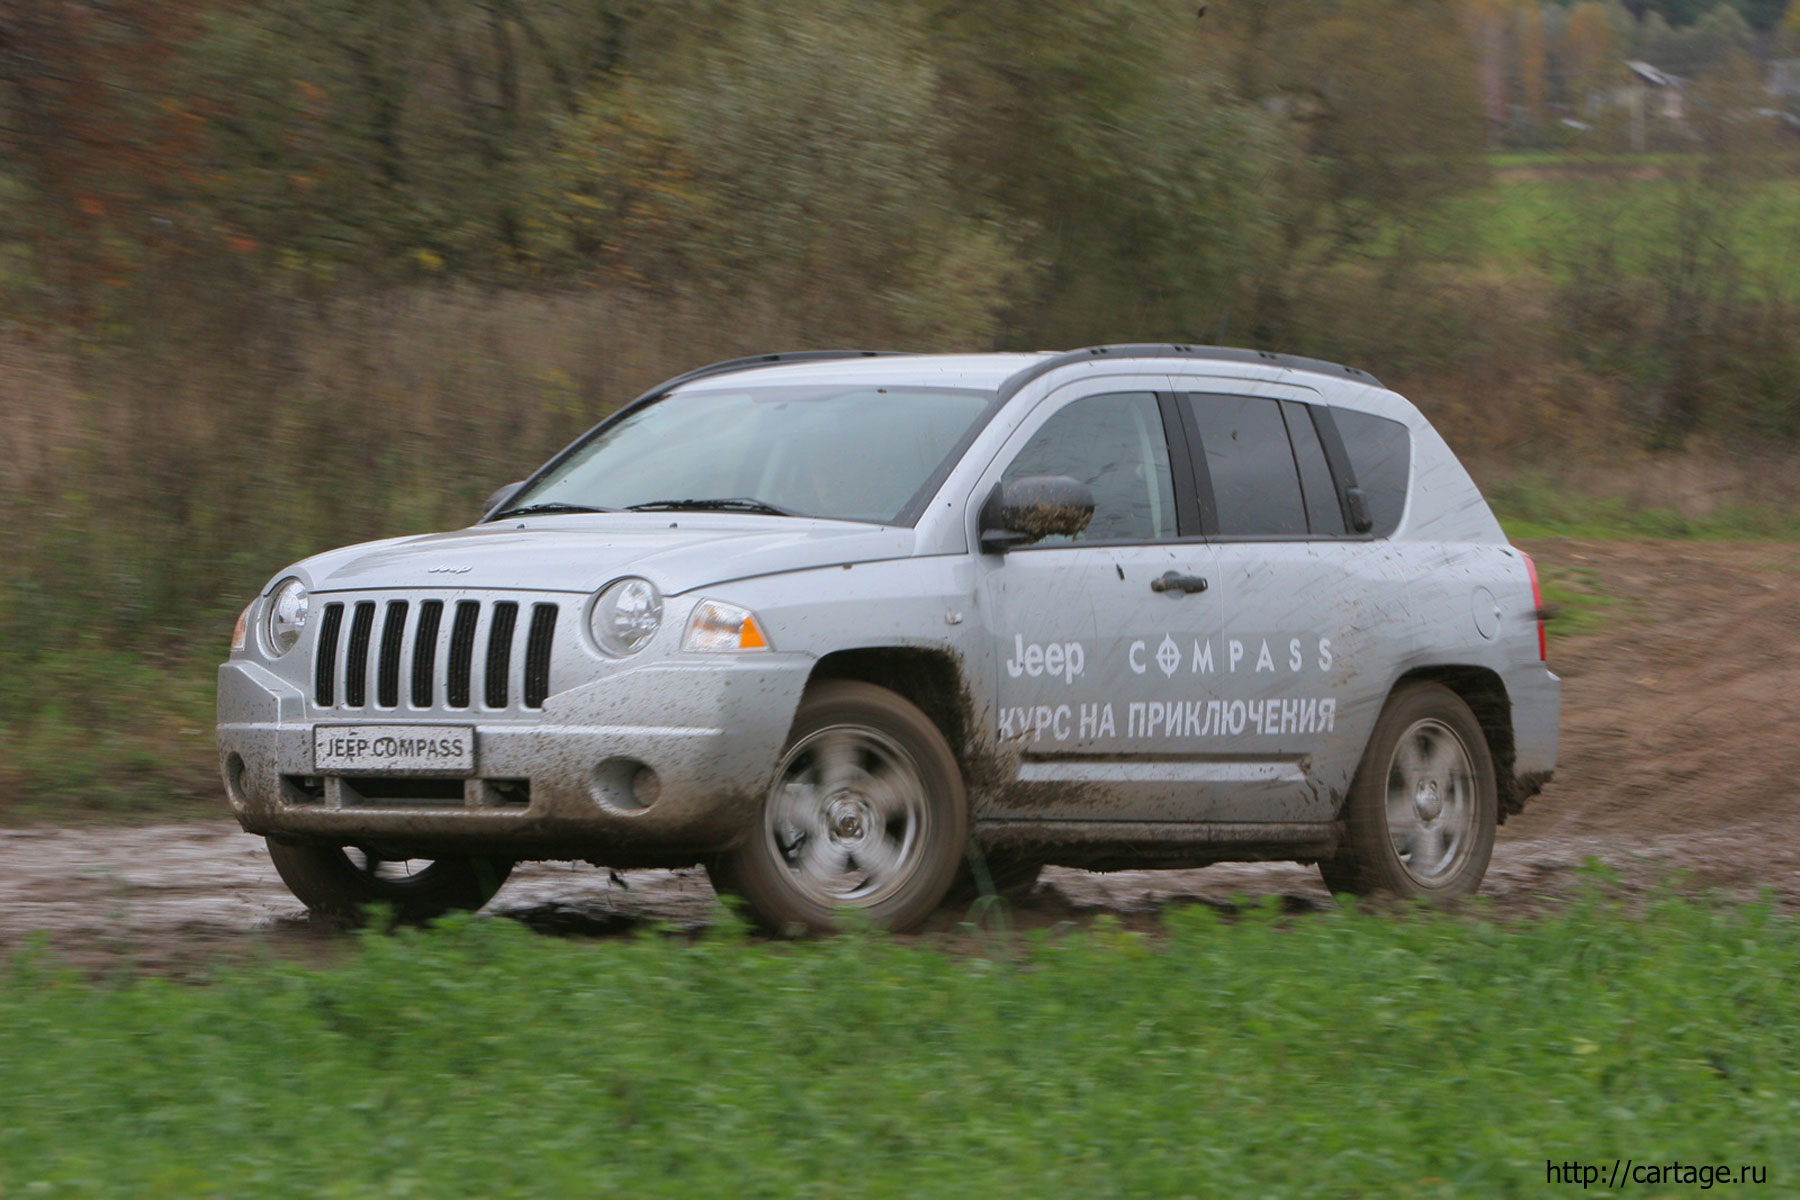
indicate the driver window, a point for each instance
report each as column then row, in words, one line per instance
column 1115, row 445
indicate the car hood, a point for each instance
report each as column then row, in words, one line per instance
column 578, row 553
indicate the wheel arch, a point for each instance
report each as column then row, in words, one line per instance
column 911, row 695
column 1485, row 693
column 931, row 679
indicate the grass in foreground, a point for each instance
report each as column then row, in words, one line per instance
column 1339, row 1055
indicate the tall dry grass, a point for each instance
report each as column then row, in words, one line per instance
column 150, row 485
column 214, row 447
column 37, row 416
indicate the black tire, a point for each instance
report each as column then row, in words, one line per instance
column 338, row 883
column 867, row 812
column 1423, row 807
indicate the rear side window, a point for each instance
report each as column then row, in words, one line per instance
column 1380, row 453
column 1250, row 462
column 1324, row 515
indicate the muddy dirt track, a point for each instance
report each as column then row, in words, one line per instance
column 1679, row 766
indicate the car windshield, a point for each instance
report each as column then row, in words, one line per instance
column 855, row 454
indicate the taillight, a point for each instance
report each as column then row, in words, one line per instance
column 1537, row 607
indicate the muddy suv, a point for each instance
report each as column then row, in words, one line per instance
column 858, row 630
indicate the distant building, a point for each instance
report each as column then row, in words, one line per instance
column 1661, row 95
column 1652, row 97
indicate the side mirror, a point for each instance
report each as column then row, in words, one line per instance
column 500, row 496
column 1037, row 506
column 1358, row 500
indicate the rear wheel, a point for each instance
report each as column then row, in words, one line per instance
column 867, row 813
column 1423, row 808
column 339, row 882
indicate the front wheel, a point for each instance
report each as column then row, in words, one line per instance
column 1423, row 808
column 867, row 813
column 339, row 882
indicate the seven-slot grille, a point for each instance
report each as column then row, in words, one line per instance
column 433, row 653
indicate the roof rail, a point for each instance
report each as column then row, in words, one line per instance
column 753, row 361
column 1291, row 362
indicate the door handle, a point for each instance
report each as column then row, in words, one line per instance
column 1175, row 581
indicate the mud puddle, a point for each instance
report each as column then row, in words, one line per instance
column 178, row 897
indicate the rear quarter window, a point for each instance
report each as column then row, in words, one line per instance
column 1380, row 454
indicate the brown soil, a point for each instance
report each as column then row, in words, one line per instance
column 1677, row 770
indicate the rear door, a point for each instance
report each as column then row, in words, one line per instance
column 1293, row 582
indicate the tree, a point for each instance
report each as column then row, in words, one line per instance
column 1534, row 59
column 393, row 136
column 1674, row 12
column 1707, row 45
column 1102, row 132
column 1375, row 151
column 97, row 144
column 1489, row 23
column 1720, row 33
column 1392, row 141
column 1372, row 137
column 1588, row 53
column 795, row 154
column 1762, row 14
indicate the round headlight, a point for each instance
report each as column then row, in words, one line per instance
column 287, row 612
column 626, row 616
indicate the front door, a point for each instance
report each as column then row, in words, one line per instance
column 1098, row 639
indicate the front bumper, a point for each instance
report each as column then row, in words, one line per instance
column 552, row 784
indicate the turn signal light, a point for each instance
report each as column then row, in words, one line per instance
column 718, row 626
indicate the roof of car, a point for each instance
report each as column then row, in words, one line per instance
column 1004, row 372
column 984, row 371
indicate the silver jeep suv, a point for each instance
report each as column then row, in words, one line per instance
column 858, row 630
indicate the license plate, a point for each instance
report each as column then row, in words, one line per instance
column 394, row 749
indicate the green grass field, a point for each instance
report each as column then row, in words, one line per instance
column 1522, row 222
column 1578, row 598
column 1338, row 1055
column 1532, row 506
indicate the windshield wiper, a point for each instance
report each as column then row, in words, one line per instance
column 531, row 510
column 728, row 504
